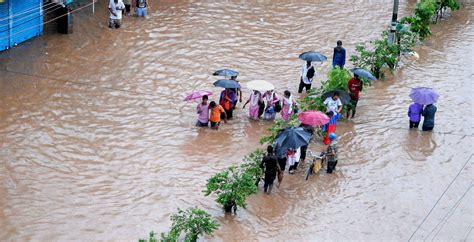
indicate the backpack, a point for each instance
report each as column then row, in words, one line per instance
column 310, row 72
column 277, row 104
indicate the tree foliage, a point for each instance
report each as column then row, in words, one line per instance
column 380, row 54
column 232, row 187
column 251, row 164
column 423, row 15
column 193, row 222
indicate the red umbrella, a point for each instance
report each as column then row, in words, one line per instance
column 196, row 95
column 313, row 118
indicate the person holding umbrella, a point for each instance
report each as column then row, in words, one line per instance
column 307, row 70
column 289, row 141
column 426, row 96
column 202, row 108
column 255, row 101
column 414, row 114
column 227, row 100
column 429, row 116
column 355, row 86
column 237, row 91
column 203, row 112
column 306, row 76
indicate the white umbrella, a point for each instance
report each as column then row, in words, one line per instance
column 260, row 85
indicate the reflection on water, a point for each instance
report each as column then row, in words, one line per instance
column 96, row 143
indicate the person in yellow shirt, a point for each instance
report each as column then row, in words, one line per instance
column 215, row 116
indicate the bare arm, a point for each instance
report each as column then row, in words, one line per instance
column 225, row 117
column 246, row 103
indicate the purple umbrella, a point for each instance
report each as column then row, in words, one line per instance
column 424, row 95
column 196, row 95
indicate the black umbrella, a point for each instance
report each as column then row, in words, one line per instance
column 313, row 56
column 343, row 95
column 227, row 84
column 291, row 138
column 225, row 72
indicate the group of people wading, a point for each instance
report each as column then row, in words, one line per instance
column 260, row 105
column 266, row 104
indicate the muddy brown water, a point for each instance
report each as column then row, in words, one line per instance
column 96, row 143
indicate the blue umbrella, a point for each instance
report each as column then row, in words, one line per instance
column 313, row 56
column 291, row 138
column 363, row 73
column 225, row 72
column 227, row 84
column 424, row 95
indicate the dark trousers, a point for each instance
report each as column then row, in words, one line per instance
column 303, row 150
column 352, row 107
column 424, row 128
column 127, row 8
column 268, row 182
column 303, row 85
column 414, row 124
column 261, row 109
column 293, row 167
column 331, row 166
column 229, row 113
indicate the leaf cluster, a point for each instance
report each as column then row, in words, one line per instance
column 232, row 186
column 380, row 54
column 193, row 222
column 151, row 238
column 252, row 162
column 424, row 13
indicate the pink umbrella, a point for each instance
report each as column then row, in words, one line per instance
column 196, row 95
column 313, row 118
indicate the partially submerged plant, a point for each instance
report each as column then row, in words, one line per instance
column 252, row 164
column 193, row 222
column 232, row 187
column 380, row 54
column 151, row 238
column 426, row 12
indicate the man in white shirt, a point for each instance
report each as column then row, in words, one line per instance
column 333, row 103
column 115, row 10
column 307, row 73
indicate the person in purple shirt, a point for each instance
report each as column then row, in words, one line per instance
column 414, row 113
column 203, row 112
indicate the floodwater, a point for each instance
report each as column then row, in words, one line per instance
column 96, row 143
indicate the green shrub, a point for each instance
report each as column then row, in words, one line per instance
column 193, row 222
column 232, row 187
column 251, row 164
column 407, row 40
column 337, row 79
column 423, row 15
column 151, row 238
column 380, row 54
